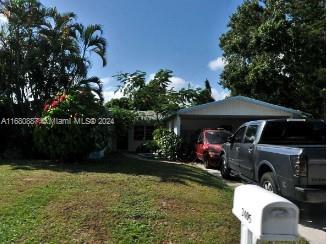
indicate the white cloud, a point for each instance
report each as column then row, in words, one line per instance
column 3, row 19
column 109, row 89
column 177, row 83
column 110, row 94
column 217, row 64
column 219, row 95
column 150, row 77
column 107, row 81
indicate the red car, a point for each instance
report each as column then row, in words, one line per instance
column 208, row 147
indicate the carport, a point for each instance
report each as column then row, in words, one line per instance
column 228, row 113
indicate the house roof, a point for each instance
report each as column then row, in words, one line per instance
column 148, row 115
column 244, row 99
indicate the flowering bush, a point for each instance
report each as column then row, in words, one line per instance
column 68, row 128
column 168, row 142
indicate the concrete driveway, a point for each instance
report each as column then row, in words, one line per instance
column 312, row 224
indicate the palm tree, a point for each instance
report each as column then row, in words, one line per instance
column 44, row 51
column 93, row 85
column 92, row 42
column 71, row 42
column 60, row 36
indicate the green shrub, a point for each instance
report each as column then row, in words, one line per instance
column 123, row 119
column 168, row 142
column 74, row 137
column 147, row 147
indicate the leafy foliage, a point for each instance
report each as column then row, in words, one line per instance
column 123, row 119
column 73, row 137
column 157, row 94
column 147, row 147
column 168, row 142
column 275, row 51
column 123, row 103
column 44, row 52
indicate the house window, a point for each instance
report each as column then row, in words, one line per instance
column 148, row 132
column 143, row 132
column 138, row 133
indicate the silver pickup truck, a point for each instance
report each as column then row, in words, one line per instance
column 287, row 157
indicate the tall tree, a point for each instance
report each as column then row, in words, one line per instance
column 123, row 103
column 205, row 95
column 275, row 51
column 143, row 95
column 91, row 41
column 133, row 86
column 156, row 93
column 43, row 52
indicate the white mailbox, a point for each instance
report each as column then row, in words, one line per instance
column 264, row 215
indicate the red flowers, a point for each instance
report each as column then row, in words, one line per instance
column 46, row 107
column 38, row 121
column 55, row 102
column 62, row 98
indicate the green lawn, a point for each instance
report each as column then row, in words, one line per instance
column 120, row 200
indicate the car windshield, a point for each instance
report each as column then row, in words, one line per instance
column 294, row 132
column 217, row 137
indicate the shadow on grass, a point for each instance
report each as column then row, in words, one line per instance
column 118, row 163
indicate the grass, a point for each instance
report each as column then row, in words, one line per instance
column 120, row 200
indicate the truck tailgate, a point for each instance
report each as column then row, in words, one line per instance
column 317, row 172
column 316, row 164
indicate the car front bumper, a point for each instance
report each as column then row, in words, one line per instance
column 310, row 195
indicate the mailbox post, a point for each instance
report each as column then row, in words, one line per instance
column 264, row 215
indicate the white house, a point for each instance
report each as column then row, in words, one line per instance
column 138, row 133
column 228, row 113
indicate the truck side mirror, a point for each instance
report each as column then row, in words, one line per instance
column 265, row 215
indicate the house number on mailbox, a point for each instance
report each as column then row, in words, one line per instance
column 246, row 215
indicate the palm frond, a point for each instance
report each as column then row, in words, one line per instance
column 92, row 84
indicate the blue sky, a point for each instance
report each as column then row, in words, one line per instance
column 147, row 35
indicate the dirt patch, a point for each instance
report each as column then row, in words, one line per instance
column 175, row 206
column 83, row 216
column 169, row 204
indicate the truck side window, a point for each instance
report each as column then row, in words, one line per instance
column 250, row 134
column 238, row 137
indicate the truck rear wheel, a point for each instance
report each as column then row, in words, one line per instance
column 268, row 182
column 224, row 168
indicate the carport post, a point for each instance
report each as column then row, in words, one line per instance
column 177, row 128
